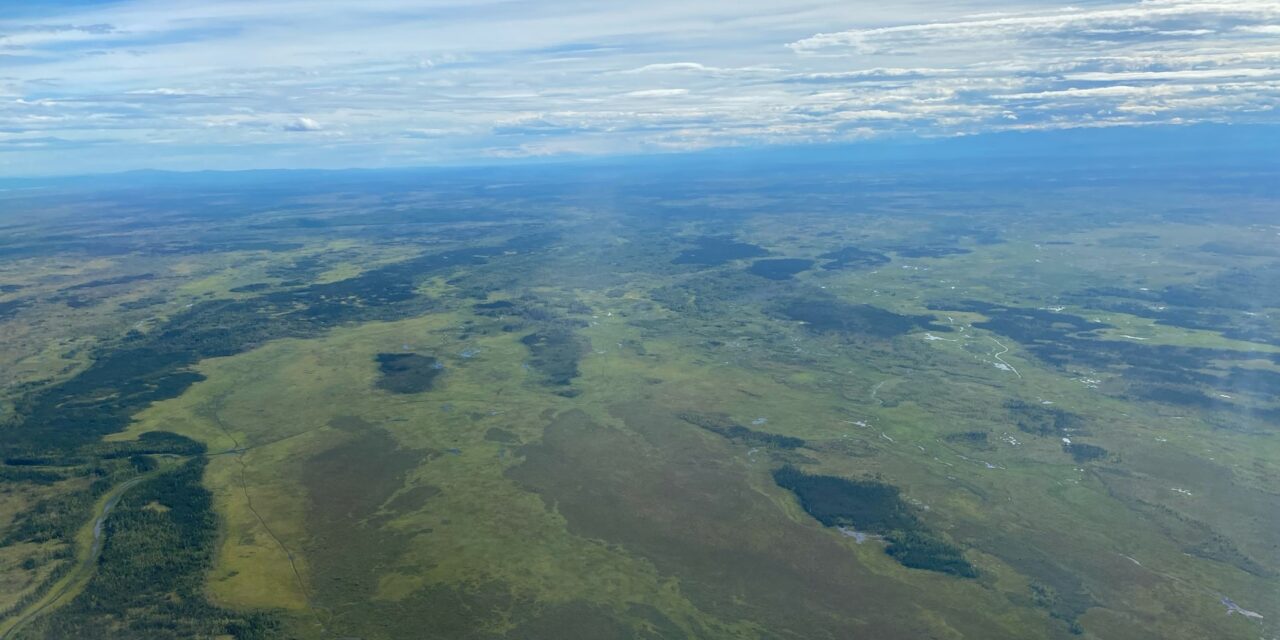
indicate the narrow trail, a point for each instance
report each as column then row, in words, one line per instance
column 876, row 389
column 1001, row 360
column 239, row 451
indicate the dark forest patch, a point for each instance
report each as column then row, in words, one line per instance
column 146, row 368
column 714, row 251
column 253, row 287
column 157, row 546
column 10, row 308
column 75, row 301
column 1180, row 396
column 497, row 307
column 65, row 422
column 828, row 315
column 1043, row 420
column 708, row 293
column 1082, row 453
column 1260, row 382
column 555, row 352
column 929, row 251
column 142, row 303
column 1161, row 373
column 1238, row 289
column 411, row 499
column 853, row 258
column 722, row 425
column 874, row 507
column 407, row 372
column 1226, row 303
column 106, row 282
column 498, row 434
column 779, row 268
column 973, row 439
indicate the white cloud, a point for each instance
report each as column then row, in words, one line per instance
column 302, row 124
column 697, row 67
column 415, row 81
column 672, row 66
column 1146, row 16
column 1174, row 75
column 656, row 93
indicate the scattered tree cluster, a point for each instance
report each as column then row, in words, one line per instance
column 149, row 582
column 878, row 508
column 407, row 372
column 1081, row 452
column 723, row 425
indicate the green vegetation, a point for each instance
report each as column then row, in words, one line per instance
column 978, row 439
column 853, row 258
column 1081, row 452
column 779, row 268
column 724, row 426
column 822, row 314
column 407, row 372
column 555, row 353
column 714, row 251
column 1043, row 420
column 464, row 408
column 875, row 507
column 149, row 580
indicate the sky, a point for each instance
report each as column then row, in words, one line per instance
column 91, row 86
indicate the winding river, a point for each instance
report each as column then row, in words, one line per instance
column 80, row 574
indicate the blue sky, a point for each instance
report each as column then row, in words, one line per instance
column 100, row 85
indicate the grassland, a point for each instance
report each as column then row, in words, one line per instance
column 556, row 418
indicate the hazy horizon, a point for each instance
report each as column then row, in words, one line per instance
column 90, row 86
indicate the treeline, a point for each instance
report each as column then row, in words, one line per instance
column 555, row 347
column 1041, row 420
column 149, row 582
column 64, row 556
column 407, row 372
column 62, row 425
column 878, row 508
column 60, row 517
column 724, row 426
column 33, row 476
column 65, row 419
column 976, row 439
column 1082, row 453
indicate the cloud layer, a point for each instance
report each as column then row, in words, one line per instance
column 246, row 83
